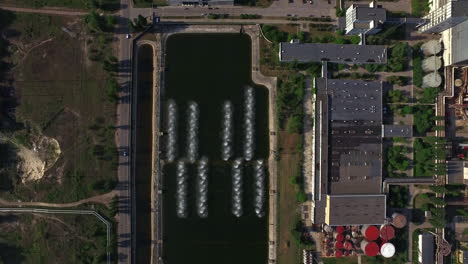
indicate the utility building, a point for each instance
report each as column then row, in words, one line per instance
column 444, row 15
column 364, row 19
column 348, row 161
column 337, row 53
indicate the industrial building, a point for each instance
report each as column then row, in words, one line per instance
column 364, row 19
column 426, row 248
column 445, row 14
column 337, row 53
column 347, row 180
column 454, row 40
column 348, row 144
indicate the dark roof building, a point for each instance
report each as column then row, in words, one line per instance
column 355, row 209
column 397, row 131
column 348, row 134
column 337, row 53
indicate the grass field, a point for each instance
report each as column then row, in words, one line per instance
column 110, row 5
column 288, row 250
column 52, row 239
column 62, row 95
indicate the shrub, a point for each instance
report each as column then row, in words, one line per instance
column 301, row 196
column 294, row 124
column 397, row 80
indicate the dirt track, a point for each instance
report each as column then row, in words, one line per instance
column 104, row 199
column 48, row 11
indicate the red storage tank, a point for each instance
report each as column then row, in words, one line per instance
column 346, row 253
column 338, row 245
column 370, row 248
column 370, row 232
column 338, row 253
column 387, row 232
column 329, row 253
column 338, row 237
column 340, row 229
column 347, row 245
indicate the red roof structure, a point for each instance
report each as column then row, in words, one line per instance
column 340, row 229
column 370, row 232
column 371, row 249
column 338, row 253
column 347, row 245
column 338, row 245
column 339, row 237
column 387, row 232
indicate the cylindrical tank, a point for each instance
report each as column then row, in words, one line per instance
column 348, row 237
column 432, row 63
column 338, row 245
column 398, row 220
column 354, row 234
column 338, row 253
column 338, row 236
column 346, row 253
column 458, row 82
column 431, row 47
column 432, row 79
column 347, row 245
column 387, row 232
column 327, row 228
column 340, row 229
column 387, row 250
column 370, row 248
column 329, row 253
column 370, row 232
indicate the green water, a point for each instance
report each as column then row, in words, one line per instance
column 210, row 69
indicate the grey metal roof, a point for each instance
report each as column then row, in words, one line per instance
column 354, row 142
column 366, row 13
column 426, row 248
column 397, row 131
column 356, row 209
column 338, row 53
column 459, row 40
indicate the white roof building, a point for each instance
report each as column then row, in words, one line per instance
column 364, row 19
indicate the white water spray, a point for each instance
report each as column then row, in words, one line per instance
column 237, row 187
column 171, row 131
column 259, row 195
column 181, row 198
column 192, row 132
column 202, row 187
column 227, row 131
column 249, row 123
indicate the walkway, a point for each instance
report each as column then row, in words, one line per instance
column 104, row 199
column 308, row 138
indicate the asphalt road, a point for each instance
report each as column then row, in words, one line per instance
column 124, row 229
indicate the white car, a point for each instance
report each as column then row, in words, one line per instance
column 128, row 36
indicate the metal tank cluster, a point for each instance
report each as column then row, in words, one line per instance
column 370, row 240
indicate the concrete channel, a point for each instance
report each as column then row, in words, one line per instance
column 157, row 37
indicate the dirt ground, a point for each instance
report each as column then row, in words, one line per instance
column 288, row 250
column 62, row 94
column 51, row 239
